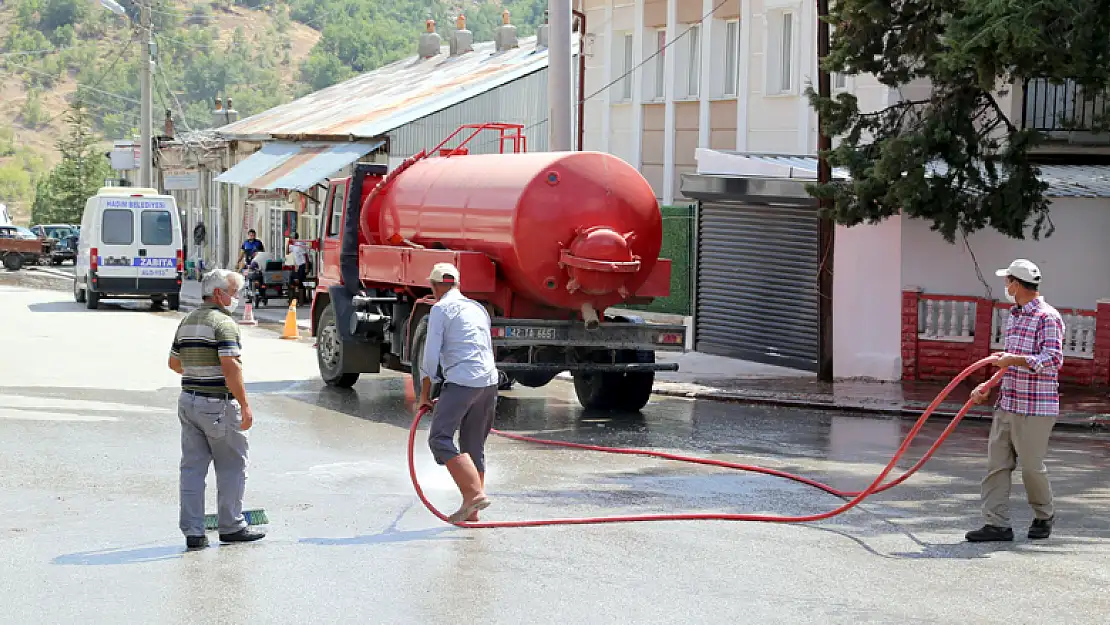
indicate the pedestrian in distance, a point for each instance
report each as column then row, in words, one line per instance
column 214, row 412
column 458, row 342
column 250, row 248
column 1027, row 407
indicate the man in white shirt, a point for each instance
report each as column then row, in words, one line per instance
column 300, row 267
column 459, row 342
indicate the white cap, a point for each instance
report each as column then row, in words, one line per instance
column 1023, row 270
column 444, row 272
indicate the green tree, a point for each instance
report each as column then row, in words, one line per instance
column 954, row 157
column 61, row 196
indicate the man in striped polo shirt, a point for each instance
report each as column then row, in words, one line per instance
column 213, row 411
column 1028, row 404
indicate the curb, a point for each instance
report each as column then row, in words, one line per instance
column 1066, row 420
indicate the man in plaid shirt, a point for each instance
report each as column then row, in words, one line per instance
column 1028, row 404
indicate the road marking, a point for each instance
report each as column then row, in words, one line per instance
column 32, row 402
column 32, row 415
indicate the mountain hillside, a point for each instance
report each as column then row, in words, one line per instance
column 261, row 53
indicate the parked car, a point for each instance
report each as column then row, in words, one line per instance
column 66, row 236
column 19, row 246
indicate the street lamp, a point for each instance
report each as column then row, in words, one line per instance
column 145, row 96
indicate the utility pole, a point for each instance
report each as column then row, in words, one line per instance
column 559, row 71
column 826, row 229
column 146, row 178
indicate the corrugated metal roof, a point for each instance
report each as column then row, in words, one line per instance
column 1090, row 181
column 377, row 102
column 294, row 166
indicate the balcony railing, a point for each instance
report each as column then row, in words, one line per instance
column 1063, row 107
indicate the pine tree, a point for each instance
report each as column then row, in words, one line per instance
column 953, row 158
column 61, row 196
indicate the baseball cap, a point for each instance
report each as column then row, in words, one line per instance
column 444, row 272
column 1023, row 270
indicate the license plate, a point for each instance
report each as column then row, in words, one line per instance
column 122, row 261
column 519, row 332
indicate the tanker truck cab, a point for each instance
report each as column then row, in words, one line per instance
column 547, row 243
column 130, row 247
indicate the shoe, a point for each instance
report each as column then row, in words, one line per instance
column 1041, row 528
column 196, row 542
column 473, row 518
column 990, row 534
column 466, row 477
column 244, row 535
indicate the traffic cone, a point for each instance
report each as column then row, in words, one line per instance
column 248, row 316
column 290, row 329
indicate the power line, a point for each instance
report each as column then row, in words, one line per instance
column 30, row 52
column 108, row 93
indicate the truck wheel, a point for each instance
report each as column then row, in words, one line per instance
column 329, row 352
column 13, row 261
column 419, row 337
column 617, row 391
column 92, row 300
column 78, row 293
column 174, row 300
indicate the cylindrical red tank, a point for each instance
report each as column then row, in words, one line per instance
column 565, row 228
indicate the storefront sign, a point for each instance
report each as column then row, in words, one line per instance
column 180, row 179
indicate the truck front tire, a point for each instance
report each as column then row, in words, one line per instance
column 329, row 352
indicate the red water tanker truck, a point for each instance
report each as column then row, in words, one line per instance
column 546, row 241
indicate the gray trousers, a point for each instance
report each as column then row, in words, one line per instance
column 469, row 411
column 211, row 432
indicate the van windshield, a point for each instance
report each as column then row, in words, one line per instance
column 118, row 227
column 157, row 228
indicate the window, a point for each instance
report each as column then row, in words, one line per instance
column 339, row 198
column 659, row 86
column 693, row 70
column 156, row 228
column 785, row 73
column 626, row 68
column 732, row 56
column 839, row 81
column 117, row 227
column 780, row 52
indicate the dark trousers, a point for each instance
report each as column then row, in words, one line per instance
column 468, row 411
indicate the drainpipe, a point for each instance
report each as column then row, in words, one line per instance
column 581, row 74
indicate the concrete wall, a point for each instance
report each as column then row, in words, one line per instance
column 867, row 301
column 1073, row 260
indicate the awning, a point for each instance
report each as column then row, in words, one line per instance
column 295, row 166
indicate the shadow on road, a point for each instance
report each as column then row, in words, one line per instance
column 104, row 557
column 390, row 535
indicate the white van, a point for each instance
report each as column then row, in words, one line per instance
column 130, row 247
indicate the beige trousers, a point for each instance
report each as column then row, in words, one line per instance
column 1025, row 437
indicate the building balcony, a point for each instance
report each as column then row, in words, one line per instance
column 1066, row 114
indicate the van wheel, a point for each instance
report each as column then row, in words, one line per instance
column 174, row 301
column 78, row 292
column 92, row 300
column 13, row 261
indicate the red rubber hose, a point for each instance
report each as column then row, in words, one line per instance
column 876, row 486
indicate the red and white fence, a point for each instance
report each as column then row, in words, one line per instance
column 943, row 334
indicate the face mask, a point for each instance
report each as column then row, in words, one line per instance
column 233, row 305
column 1010, row 298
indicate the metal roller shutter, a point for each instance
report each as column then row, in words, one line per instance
column 757, row 283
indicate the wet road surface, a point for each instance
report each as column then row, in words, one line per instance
column 88, row 486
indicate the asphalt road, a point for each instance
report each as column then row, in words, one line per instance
column 88, row 487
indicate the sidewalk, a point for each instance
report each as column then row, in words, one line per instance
column 704, row 376
column 711, row 377
column 274, row 312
